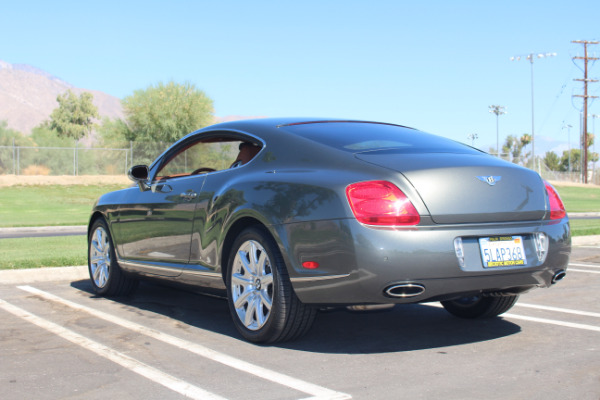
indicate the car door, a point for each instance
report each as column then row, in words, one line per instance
column 155, row 226
column 158, row 227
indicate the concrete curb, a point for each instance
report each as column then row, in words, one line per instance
column 50, row 274
column 42, row 231
column 592, row 240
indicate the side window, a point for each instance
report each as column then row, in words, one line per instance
column 215, row 154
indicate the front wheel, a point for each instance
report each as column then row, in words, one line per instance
column 480, row 306
column 107, row 277
column 262, row 303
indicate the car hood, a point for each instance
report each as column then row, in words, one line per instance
column 467, row 188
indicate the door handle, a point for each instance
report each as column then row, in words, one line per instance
column 189, row 195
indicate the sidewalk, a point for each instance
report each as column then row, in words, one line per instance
column 42, row 231
column 50, row 274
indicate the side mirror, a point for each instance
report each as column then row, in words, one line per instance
column 139, row 174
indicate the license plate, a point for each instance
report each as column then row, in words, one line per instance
column 502, row 251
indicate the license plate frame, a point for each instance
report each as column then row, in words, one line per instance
column 502, row 251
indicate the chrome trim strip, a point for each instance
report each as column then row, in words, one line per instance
column 195, row 272
column 318, row 278
column 150, row 268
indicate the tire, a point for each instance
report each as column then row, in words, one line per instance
column 261, row 299
column 480, row 306
column 105, row 273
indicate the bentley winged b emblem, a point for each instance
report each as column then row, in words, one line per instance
column 490, row 180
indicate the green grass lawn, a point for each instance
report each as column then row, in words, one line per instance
column 580, row 199
column 51, row 205
column 43, row 252
column 585, row 227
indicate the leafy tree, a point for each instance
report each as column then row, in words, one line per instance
column 74, row 116
column 166, row 112
column 552, row 161
column 58, row 159
column 112, row 132
column 575, row 161
column 514, row 146
column 592, row 157
column 8, row 137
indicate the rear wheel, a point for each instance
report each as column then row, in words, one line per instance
column 262, row 303
column 480, row 306
column 107, row 277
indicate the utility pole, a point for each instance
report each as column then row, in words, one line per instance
column 498, row 110
column 585, row 96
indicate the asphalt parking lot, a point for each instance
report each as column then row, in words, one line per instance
column 59, row 341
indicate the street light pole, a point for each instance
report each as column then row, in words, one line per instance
column 569, row 141
column 498, row 110
column 473, row 136
column 531, row 57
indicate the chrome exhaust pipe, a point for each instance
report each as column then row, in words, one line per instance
column 405, row 290
column 558, row 276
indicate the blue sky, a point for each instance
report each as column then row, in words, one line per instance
column 433, row 65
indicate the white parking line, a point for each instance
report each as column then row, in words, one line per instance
column 583, row 270
column 553, row 322
column 585, row 265
column 557, row 309
column 316, row 391
column 543, row 320
column 131, row 364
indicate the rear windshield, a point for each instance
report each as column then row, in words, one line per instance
column 357, row 137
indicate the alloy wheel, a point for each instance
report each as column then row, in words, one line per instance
column 100, row 257
column 252, row 285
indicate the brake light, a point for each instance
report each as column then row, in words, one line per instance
column 381, row 203
column 557, row 208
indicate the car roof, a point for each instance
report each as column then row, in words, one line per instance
column 289, row 121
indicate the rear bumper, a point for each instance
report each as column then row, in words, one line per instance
column 357, row 264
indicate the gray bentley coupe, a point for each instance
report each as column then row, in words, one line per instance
column 292, row 215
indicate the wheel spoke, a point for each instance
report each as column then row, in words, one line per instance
column 266, row 299
column 252, row 255
column 97, row 271
column 241, row 280
column 242, row 299
column 250, row 311
column 243, row 260
column 266, row 280
column 262, row 263
column 261, row 316
column 101, row 276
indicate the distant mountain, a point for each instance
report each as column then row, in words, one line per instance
column 28, row 96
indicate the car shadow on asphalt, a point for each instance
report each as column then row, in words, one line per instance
column 403, row 328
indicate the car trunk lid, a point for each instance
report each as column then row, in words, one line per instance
column 467, row 188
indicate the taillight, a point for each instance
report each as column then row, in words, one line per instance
column 381, row 203
column 557, row 208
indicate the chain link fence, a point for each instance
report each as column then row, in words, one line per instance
column 77, row 160
column 81, row 160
